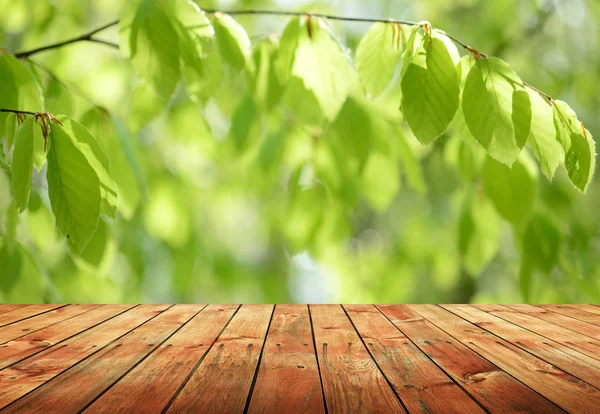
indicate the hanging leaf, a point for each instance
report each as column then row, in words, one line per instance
column 149, row 40
column 478, row 234
column 321, row 72
column 73, row 187
column 22, row 164
column 513, row 190
column 97, row 159
column 233, row 41
column 580, row 148
column 542, row 138
column 266, row 85
column 497, row 109
column 380, row 181
column 22, row 91
column 541, row 243
column 430, row 89
column 11, row 129
column 378, row 57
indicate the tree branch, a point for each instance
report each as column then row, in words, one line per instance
column 89, row 37
column 16, row 111
column 86, row 37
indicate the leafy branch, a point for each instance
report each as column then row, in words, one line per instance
column 89, row 37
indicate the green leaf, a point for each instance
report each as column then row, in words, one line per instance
column 430, row 89
column 355, row 129
column 323, row 69
column 95, row 251
column 243, row 123
column 513, row 190
column 378, row 56
column 287, row 49
column 3, row 164
column 497, row 109
column 73, row 188
column 22, row 164
column 39, row 148
column 478, row 234
column 541, row 243
column 11, row 129
column 543, row 139
column 266, row 86
column 580, row 161
column 148, row 38
column 580, row 148
column 380, row 181
column 97, row 159
column 233, row 41
column 58, row 98
column 19, row 79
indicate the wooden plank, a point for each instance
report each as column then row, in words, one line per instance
column 148, row 388
column 493, row 388
column 288, row 377
column 23, row 377
column 567, row 359
column 78, row 386
column 222, row 381
column 25, row 346
column 573, row 312
column 38, row 322
column 564, row 321
column 595, row 309
column 420, row 383
column 563, row 336
column 567, row 391
column 352, row 382
column 9, row 308
column 19, row 314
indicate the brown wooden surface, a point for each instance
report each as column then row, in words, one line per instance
column 299, row 358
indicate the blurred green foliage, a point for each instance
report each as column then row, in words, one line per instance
column 243, row 177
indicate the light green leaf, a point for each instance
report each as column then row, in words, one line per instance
column 265, row 84
column 150, row 41
column 478, row 234
column 22, row 164
column 97, row 159
column 497, row 109
column 355, row 128
column 580, row 161
column 11, row 129
column 39, row 148
column 18, row 76
column 323, row 68
column 513, row 190
column 580, row 148
column 380, row 181
column 287, row 49
column 233, row 41
column 378, row 56
column 243, row 123
column 542, row 138
column 58, row 98
column 3, row 164
column 73, row 188
column 430, row 90
column 542, row 243
column 411, row 164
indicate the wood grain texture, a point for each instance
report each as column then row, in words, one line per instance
column 567, row 359
column 28, row 345
column 150, row 386
column 78, row 386
column 572, row 311
column 420, row 383
column 563, row 336
column 288, row 377
column 493, row 388
column 9, row 308
column 25, row 376
column 19, row 314
column 352, row 382
column 564, row 321
column 565, row 390
column 35, row 323
column 222, row 382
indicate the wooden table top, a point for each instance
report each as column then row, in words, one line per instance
column 299, row 358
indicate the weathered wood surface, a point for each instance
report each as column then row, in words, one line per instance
column 300, row 358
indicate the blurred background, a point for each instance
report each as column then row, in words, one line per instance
column 202, row 221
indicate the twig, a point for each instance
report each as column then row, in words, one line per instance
column 88, row 37
column 16, row 111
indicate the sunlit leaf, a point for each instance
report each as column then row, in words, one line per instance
column 542, row 138
column 22, row 164
column 497, row 109
column 430, row 89
column 233, row 42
